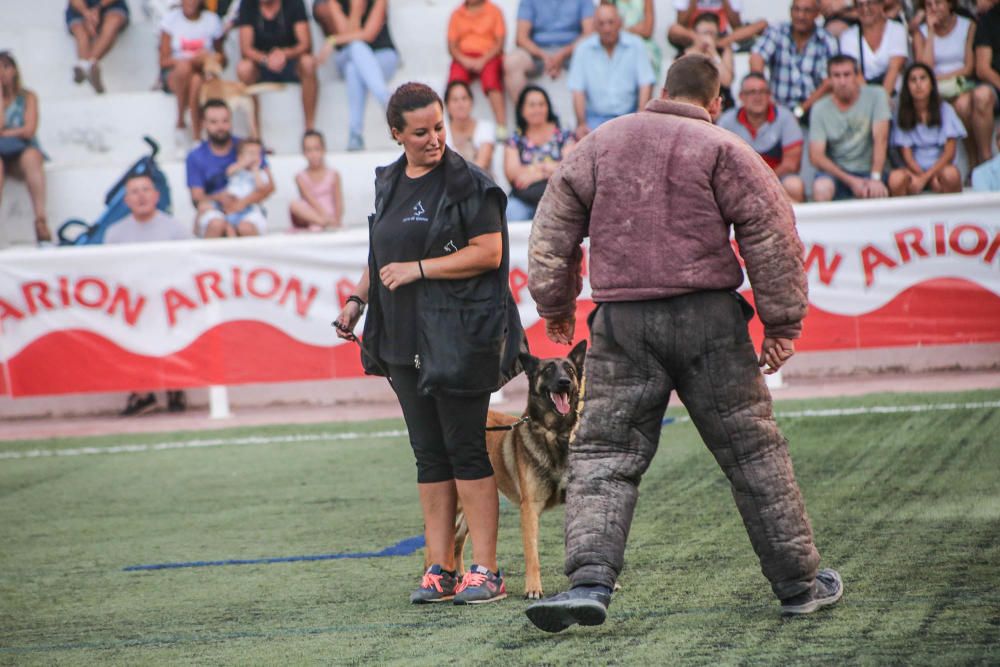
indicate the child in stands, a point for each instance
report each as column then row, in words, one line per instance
column 246, row 177
column 321, row 207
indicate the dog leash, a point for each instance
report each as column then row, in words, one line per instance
column 354, row 339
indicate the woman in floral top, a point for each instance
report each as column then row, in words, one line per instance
column 534, row 152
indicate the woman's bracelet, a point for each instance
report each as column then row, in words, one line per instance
column 331, row 40
column 420, row 265
column 357, row 299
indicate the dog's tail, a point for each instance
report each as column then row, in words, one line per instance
column 267, row 87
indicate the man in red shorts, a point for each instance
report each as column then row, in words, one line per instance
column 475, row 41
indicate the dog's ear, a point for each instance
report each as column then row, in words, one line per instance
column 529, row 363
column 578, row 354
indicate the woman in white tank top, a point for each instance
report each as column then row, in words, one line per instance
column 944, row 43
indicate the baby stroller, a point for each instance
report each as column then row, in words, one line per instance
column 70, row 232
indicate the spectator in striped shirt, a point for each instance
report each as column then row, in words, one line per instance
column 796, row 54
column 771, row 130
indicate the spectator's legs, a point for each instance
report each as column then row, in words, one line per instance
column 982, row 122
column 179, row 81
column 310, row 88
column 245, row 228
column 795, row 188
column 899, row 183
column 516, row 67
column 304, row 215
column 324, row 17
column 79, row 31
column 963, row 107
column 680, row 37
column 194, row 92
column 519, row 211
column 365, row 71
column 948, row 180
column 823, row 189
column 31, row 164
column 211, row 223
column 492, row 80
column 2, row 173
column 111, row 24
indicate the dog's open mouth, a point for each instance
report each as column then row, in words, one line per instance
column 561, row 401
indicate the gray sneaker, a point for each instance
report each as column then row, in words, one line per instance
column 586, row 605
column 437, row 586
column 826, row 590
column 479, row 585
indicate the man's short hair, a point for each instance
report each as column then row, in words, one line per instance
column 137, row 175
column 693, row 77
column 840, row 59
column 214, row 103
column 754, row 76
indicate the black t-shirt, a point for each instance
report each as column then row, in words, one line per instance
column 382, row 40
column 400, row 236
column 988, row 34
column 277, row 33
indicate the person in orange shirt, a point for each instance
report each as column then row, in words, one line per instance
column 476, row 34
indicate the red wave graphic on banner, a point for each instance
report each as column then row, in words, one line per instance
column 938, row 312
column 943, row 311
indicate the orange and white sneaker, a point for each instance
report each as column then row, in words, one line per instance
column 437, row 585
column 479, row 585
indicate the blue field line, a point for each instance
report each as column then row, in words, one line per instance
column 401, row 548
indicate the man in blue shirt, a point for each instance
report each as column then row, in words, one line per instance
column 206, row 173
column 547, row 32
column 610, row 74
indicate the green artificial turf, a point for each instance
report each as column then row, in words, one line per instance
column 906, row 505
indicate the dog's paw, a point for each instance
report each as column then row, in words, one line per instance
column 533, row 594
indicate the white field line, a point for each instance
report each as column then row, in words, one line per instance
column 315, row 437
column 191, row 444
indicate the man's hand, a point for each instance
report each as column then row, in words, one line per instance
column 582, row 130
column 875, row 190
column 774, row 352
column 554, row 64
column 276, row 60
column 560, row 330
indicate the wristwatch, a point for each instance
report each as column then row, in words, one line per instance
column 798, row 111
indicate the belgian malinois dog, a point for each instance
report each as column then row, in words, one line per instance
column 529, row 460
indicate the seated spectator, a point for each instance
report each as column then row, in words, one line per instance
column 878, row 44
column 208, row 175
column 796, row 54
column 249, row 184
column 849, row 135
column 95, row 25
column 986, row 97
column 639, row 18
column 276, row 46
column 471, row 138
column 927, row 130
column 771, row 130
column 838, row 16
column 533, row 153
column 610, row 74
column 944, row 43
column 145, row 223
column 706, row 31
column 547, row 33
column 986, row 177
column 321, row 207
column 20, row 154
column 188, row 35
column 681, row 34
column 366, row 56
column 476, row 34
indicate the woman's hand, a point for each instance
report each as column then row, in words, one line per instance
column 347, row 320
column 397, row 274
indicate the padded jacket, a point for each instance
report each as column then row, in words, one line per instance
column 469, row 333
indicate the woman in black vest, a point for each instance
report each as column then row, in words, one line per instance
column 443, row 325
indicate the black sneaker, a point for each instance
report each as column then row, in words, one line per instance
column 139, row 404
column 176, row 401
column 479, row 585
column 586, row 605
column 826, row 590
column 437, row 586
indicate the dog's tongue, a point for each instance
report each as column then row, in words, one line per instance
column 561, row 402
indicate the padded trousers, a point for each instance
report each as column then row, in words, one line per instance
column 698, row 345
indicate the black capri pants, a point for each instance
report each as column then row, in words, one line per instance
column 447, row 433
